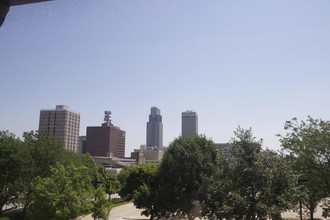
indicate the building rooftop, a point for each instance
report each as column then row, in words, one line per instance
column 61, row 108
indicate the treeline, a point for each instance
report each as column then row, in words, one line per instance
column 195, row 180
column 48, row 182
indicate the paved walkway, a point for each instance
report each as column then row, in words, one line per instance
column 295, row 215
column 129, row 212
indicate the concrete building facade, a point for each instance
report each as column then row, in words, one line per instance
column 155, row 129
column 189, row 124
column 63, row 124
column 151, row 154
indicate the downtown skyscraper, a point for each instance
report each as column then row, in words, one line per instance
column 155, row 129
column 189, row 124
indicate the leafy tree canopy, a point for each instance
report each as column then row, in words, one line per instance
column 187, row 164
column 251, row 184
column 24, row 162
column 132, row 177
column 65, row 194
column 308, row 142
column 11, row 163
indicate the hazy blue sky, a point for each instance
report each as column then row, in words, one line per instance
column 249, row 63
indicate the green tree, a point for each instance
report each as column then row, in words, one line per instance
column 110, row 181
column 24, row 162
column 65, row 194
column 244, row 174
column 11, row 165
column 139, row 183
column 144, row 195
column 309, row 144
column 101, row 205
column 42, row 152
column 278, row 191
column 251, row 184
column 93, row 169
column 187, row 164
column 216, row 193
column 309, row 193
column 132, row 177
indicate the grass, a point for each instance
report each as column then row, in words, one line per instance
column 117, row 202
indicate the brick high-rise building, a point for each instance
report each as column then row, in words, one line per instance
column 63, row 124
column 189, row 124
column 106, row 140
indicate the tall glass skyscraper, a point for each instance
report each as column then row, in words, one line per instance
column 155, row 129
column 189, row 124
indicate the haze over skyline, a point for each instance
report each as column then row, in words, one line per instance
column 249, row 63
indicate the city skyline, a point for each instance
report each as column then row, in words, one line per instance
column 237, row 63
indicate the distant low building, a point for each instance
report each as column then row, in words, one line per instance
column 114, row 162
column 152, row 154
column 138, row 156
column 81, row 144
column 224, row 149
column 148, row 154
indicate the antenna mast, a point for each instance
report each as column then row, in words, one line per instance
column 107, row 117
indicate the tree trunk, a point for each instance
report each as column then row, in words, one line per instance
column 277, row 216
column 311, row 214
column 25, row 208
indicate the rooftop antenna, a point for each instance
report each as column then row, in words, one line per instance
column 107, row 117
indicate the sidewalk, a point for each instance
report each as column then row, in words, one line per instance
column 127, row 211
column 295, row 215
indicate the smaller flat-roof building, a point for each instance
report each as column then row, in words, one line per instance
column 106, row 140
